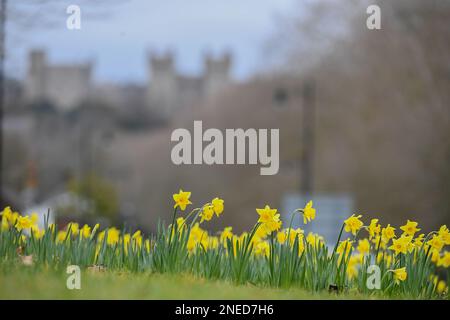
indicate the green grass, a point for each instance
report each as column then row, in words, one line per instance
column 182, row 261
column 27, row 283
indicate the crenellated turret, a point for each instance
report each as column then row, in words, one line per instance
column 169, row 91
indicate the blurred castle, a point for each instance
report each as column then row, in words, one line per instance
column 67, row 86
column 168, row 91
column 63, row 85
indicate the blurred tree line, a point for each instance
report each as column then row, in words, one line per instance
column 384, row 113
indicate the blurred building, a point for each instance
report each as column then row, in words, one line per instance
column 67, row 86
column 169, row 91
column 63, row 85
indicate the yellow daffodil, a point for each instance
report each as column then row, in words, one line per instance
column 444, row 234
column 269, row 218
column 444, row 261
column 441, row 287
column 6, row 213
column 226, row 234
column 34, row 218
column 207, row 213
column 281, row 237
column 74, row 228
column 147, row 245
column 9, row 218
column 137, row 239
column 101, row 236
column 345, row 247
column 126, row 238
column 262, row 249
column 218, row 206
column 181, row 225
column 384, row 257
column 374, row 228
column 379, row 241
column 52, row 227
column 301, row 244
column 237, row 241
column 181, row 222
column 387, row 233
column 435, row 256
column 401, row 244
column 353, row 224
column 294, row 234
column 198, row 236
column 272, row 226
column 182, row 199
column 191, row 244
column 267, row 214
column 410, row 228
column 400, row 274
column 137, row 234
column 61, row 236
column 85, row 232
column 37, row 233
column 436, row 243
column 242, row 237
column 314, row 239
column 4, row 224
column 363, row 246
column 418, row 241
column 309, row 213
column 23, row 223
column 23, row 239
column 261, row 232
column 213, row 242
column 112, row 237
column 352, row 267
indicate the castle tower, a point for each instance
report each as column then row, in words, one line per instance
column 35, row 88
column 217, row 74
column 162, row 91
column 64, row 85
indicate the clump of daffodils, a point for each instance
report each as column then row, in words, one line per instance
column 273, row 252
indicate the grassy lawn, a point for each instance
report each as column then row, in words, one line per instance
column 32, row 284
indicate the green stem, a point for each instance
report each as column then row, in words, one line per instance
column 173, row 223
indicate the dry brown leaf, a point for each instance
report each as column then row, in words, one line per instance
column 96, row 268
column 27, row 260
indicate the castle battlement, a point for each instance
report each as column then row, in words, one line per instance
column 169, row 91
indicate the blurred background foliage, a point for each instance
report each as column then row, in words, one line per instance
column 100, row 193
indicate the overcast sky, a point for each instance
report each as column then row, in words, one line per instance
column 119, row 42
